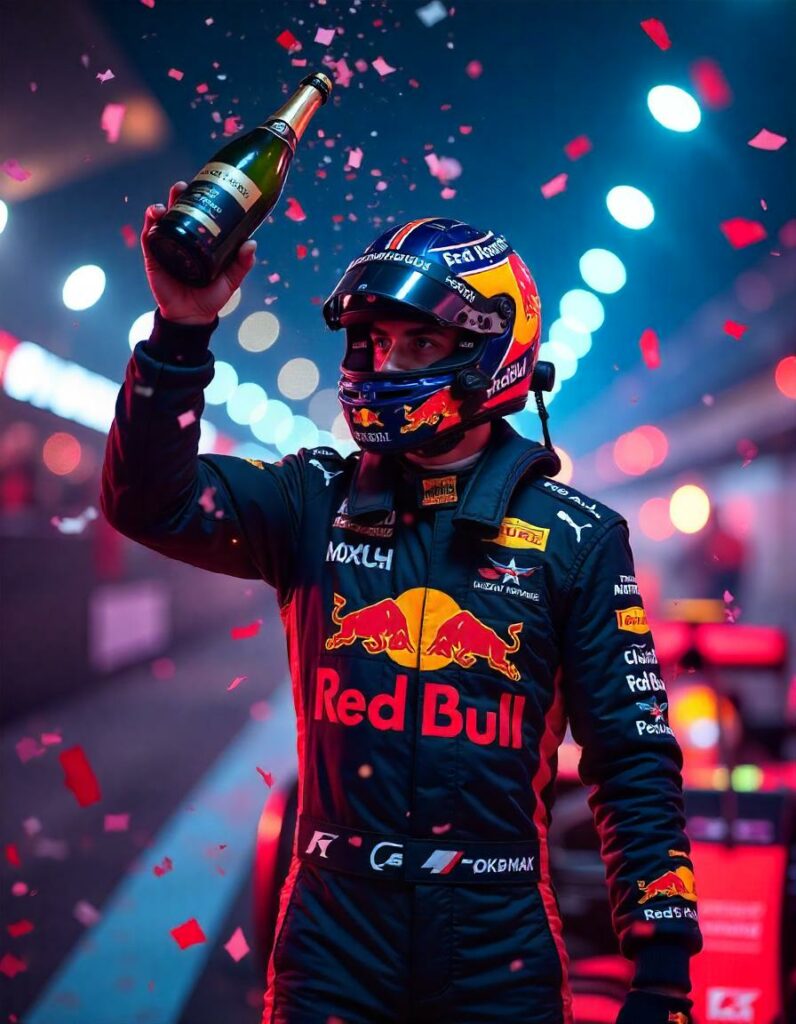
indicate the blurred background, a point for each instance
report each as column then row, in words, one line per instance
column 640, row 157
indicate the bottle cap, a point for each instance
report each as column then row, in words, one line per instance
column 321, row 82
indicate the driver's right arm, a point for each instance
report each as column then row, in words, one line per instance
column 217, row 512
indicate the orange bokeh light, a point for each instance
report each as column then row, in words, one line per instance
column 634, row 453
column 61, row 453
column 654, row 519
column 658, row 441
column 785, row 376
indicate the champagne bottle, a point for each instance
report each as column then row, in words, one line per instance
column 233, row 194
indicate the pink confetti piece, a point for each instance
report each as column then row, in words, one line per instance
column 710, row 84
column 189, row 933
column 185, row 419
column 260, row 711
column 14, row 170
column 79, row 776
column 516, row 965
column 355, row 841
column 27, row 748
column 19, row 928
column 728, row 598
column 236, row 945
column 236, row 682
column 324, row 36
column 466, row 129
column 111, row 120
column 51, row 739
column 354, row 159
column 32, row 826
column 129, row 235
column 105, row 76
column 202, row 88
column 19, row 889
column 206, row 500
column 294, row 210
column 381, row 65
column 446, row 193
column 735, row 330
column 11, row 965
column 741, row 232
column 748, row 451
column 273, row 278
column 86, row 913
column 176, row 74
column 578, row 147
column 288, row 40
column 245, row 632
column 554, row 186
column 268, row 778
column 232, row 124
column 656, row 30
column 163, row 868
column 768, row 140
column 474, row 69
column 440, row 830
column 148, row 3
column 12, row 855
column 650, row 349
column 342, row 73
column 117, row 822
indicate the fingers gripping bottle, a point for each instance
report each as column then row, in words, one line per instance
column 233, row 194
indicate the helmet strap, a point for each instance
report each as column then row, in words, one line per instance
column 544, row 416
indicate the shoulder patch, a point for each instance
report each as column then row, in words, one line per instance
column 572, row 498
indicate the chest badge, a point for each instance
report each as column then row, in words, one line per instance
column 439, row 490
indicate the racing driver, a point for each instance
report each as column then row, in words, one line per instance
column 449, row 608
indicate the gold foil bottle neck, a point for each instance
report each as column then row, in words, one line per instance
column 300, row 108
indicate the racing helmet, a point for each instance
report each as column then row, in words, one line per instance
column 452, row 274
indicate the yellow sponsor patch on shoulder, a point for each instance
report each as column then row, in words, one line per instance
column 632, row 620
column 516, row 533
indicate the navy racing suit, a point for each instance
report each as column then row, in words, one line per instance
column 442, row 630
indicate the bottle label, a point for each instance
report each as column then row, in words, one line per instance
column 206, row 200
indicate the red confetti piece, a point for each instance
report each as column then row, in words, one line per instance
column 474, row 69
column 202, row 88
column 466, row 129
column 735, row 330
column 650, row 349
column 554, row 186
column 301, row 252
column 232, row 124
column 117, row 822
column 381, row 65
column 11, row 965
column 355, row 841
column 79, row 776
column 268, row 778
column 710, row 84
column 578, row 147
column 237, row 946
column 12, row 855
column 111, row 120
column 129, row 235
column 163, row 868
column 741, row 232
column 288, row 40
column 656, row 30
column 768, row 140
column 176, row 74
column 294, row 210
column 188, row 934
column 19, row 928
column 236, row 683
column 244, row 632
column 15, row 170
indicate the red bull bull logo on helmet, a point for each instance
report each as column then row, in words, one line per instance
column 366, row 418
column 440, row 406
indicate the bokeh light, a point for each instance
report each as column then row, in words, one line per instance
column 298, row 378
column 561, row 357
column 603, row 271
column 84, row 287
column 61, row 453
column 658, row 442
column 567, row 466
column 324, row 406
column 141, row 328
column 633, row 453
column 247, row 403
column 785, row 376
column 654, row 519
column 3, row 216
column 223, row 384
column 258, row 331
column 689, row 508
column 302, row 434
column 578, row 342
column 630, row 207
column 274, row 424
column 581, row 310
column 231, row 305
column 674, row 108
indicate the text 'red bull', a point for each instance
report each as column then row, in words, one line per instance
column 440, row 713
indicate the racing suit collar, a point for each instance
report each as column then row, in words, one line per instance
column 507, row 459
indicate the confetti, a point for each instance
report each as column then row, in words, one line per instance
column 32, row 826
column 14, row 170
column 656, row 30
column 27, row 748
column 105, row 76
column 163, row 868
column 117, row 822
column 446, row 193
column 294, row 210
column 355, row 841
column 466, row 129
column 288, row 40
column 232, row 124
column 554, row 186
column 431, row 13
column 768, row 140
column 129, row 235
column 324, row 36
column 11, row 965
column 578, row 147
column 734, row 329
column 176, row 74
column 148, row 3
column 51, row 739
column 516, row 965
column 237, row 946
column 381, row 65
column 188, row 934
column 301, row 252
column 440, row 830
column 185, row 419
column 268, row 778
column 728, row 598
column 206, row 500
column 19, row 928
column 443, row 168
column 710, row 84
column 341, row 71
column 474, row 69
column 244, row 632
column 86, row 913
column 79, row 776
column 12, row 855
column 650, row 349
column 741, row 232
column 354, row 159
column 74, row 525
column 111, row 120
column 236, row 682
